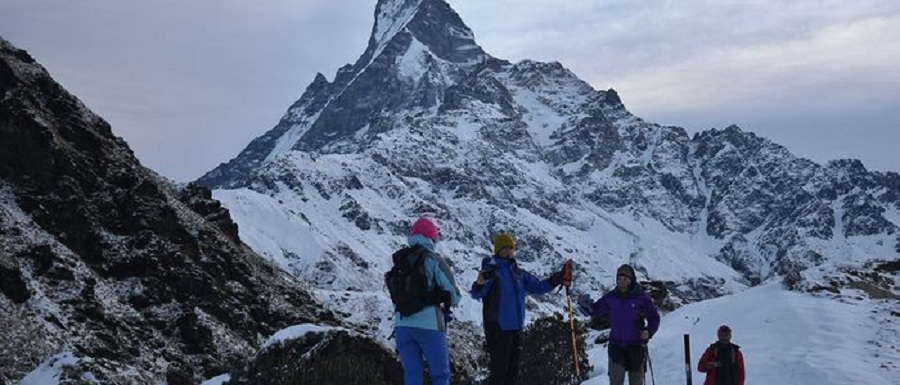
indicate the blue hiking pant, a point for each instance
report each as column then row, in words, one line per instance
column 414, row 344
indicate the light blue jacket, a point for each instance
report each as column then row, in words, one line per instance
column 437, row 271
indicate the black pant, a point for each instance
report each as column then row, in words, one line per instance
column 627, row 360
column 504, row 348
column 632, row 357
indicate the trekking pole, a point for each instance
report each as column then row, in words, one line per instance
column 649, row 363
column 572, row 327
column 687, row 357
column 642, row 323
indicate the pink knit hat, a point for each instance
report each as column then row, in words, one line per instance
column 425, row 228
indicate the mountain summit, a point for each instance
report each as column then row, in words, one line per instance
column 427, row 123
column 417, row 49
column 431, row 23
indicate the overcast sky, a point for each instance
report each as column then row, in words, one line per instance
column 189, row 83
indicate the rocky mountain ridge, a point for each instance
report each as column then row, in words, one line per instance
column 109, row 273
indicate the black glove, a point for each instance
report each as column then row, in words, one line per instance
column 484, row 276
column 556, row 278
column 563, row 276
column 599, row 323
column 585, row 304
column 448, row 314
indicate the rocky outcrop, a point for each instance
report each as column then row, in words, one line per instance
column 322, row 358
column 103, row 261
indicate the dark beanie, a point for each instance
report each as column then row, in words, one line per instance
column 628, row 270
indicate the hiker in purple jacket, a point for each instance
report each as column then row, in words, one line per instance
column 633, row 321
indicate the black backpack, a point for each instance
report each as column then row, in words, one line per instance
column 407, row 283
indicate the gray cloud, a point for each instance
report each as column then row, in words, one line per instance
column 189, row 84
column 819, row 77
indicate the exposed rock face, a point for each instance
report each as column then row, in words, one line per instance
column 878, row 280
column 322, row 358
column 102, row 259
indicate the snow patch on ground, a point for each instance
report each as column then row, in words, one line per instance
column 296, row 331
column 49, row 372
column 217, row 380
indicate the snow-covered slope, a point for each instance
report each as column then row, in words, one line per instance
column 787, row 337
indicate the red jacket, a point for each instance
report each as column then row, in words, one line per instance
column 710, row 356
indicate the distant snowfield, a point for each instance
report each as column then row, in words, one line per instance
column 268, row 227
column 787, row 338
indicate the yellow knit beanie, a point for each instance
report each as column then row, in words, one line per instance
column 503, row 240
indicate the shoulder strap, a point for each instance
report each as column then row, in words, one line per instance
column 412, row 255
column 734, row 353
column 444, row 267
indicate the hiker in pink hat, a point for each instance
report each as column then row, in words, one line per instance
column 422, row 289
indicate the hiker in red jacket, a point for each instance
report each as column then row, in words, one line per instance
column 722, row 361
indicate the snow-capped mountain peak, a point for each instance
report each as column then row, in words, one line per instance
column 425, row 122
column 418, row 49
column 391, row 16
column 413, row 115
column 431, row 22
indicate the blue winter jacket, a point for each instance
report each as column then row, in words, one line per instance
column 438, row 272
column 504, row 291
